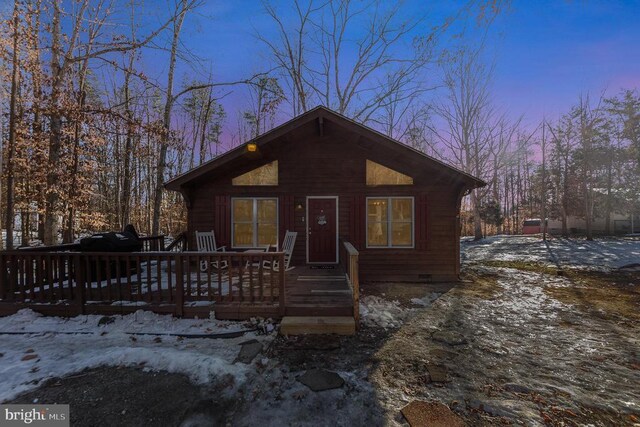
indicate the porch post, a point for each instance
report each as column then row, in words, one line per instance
column 179, row 286
column 281, row 284
column 79, row 282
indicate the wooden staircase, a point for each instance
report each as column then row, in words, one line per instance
column 318, row 301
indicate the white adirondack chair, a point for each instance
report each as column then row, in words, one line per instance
column 206, row 241
column 256, row 264
column 287, row 247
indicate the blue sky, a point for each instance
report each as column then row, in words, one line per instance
column 546, row 52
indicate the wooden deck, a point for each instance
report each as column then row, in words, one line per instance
column 185, row 284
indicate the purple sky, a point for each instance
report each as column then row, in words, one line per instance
column 546, row 52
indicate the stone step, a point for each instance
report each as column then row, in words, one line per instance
column 299, row 325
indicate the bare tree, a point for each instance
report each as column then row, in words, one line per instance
column 181, row 10
column 543, row 184
column 266, row 95
column 319, row 65
column 591, row 138
column 470, row 122
column 64, row 54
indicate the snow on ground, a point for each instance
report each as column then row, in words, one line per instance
column 608, row 253
column 49, row 353
column 376, row 311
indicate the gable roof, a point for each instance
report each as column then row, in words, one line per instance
column 318, row 112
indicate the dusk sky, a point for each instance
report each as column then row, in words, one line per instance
column 546, row 53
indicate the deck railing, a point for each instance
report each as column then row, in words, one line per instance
column 152, row 243
column 179, row 243
column 149, row 244
column 181, row 283
column 350, row 258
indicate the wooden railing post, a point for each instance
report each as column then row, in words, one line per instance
column 179, row 301
column 3, row 277
column 12, row 279
column 356, row 289
column 281, row 284
column 78, row 288
column 351, row 266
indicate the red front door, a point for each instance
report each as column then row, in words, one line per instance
column 322, row 230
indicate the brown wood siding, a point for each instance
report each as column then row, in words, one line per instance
column 334, row 165
column 222, row 220
column 421, row 222
column 286, row 216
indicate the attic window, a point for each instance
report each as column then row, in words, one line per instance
column 264, row 175
column 382, row 175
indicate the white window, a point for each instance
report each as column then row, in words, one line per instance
column 254, row 222
column 390, row 222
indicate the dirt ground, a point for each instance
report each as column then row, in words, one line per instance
column 110, row 396
column 521, row 344
column 513, row 343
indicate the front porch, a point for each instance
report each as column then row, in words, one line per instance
column 234, row 285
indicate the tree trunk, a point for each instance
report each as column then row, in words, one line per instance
column 164, row 143
column 11, row 149
column 608, row 207
column 477, row 221
column 588, row 213
column 51, row 220
column 125, row 195
column 543, row 186
column 565, row 198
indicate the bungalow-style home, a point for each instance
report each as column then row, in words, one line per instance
column 333, row 180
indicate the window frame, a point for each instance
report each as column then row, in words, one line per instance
column 390, row 221
column 254, row 222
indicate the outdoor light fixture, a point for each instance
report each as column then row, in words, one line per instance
column 252, row 147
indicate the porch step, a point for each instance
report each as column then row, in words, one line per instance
column 299, row 325
column 330, row 310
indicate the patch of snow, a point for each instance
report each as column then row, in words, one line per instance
column 127, row 303
column 376, row 311
column 85, row 344
column 600, row 254
column 427, row 300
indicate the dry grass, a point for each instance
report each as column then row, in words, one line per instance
column 615, row 293
column 532, row 267
column 479, row 284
